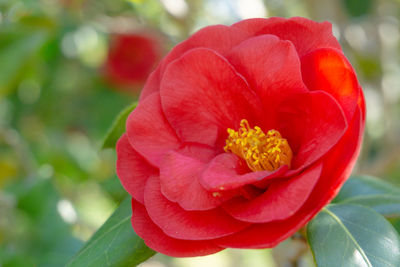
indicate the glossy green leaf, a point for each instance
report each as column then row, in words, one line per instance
column 117, row 128
column 352, row 235
column 114, row 244
column 372, row 192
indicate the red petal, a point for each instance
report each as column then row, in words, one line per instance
column 328, row 70
column 152, row 84
column 202, row 96
column 280, row 201
column 156, row 239
column 148, row 130
column 271, row 67
column 190, row 225
column 312, row 123
column 198, row 151
column 179, row 178
column 227, row 172
column 305, row 34
column 336, row 169
column 340, row 161
column 219, row 38
column 266, row 235
column 132, row 169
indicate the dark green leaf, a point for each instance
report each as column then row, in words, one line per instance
column 114, row 244
column 372, row 192
column 352, row 235
column 117, row 128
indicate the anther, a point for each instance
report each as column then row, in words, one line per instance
column 260, row 151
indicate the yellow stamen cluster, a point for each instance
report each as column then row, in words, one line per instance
column 260, row 151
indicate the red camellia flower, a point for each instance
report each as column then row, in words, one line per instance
column 131, row 58
column 241, row 135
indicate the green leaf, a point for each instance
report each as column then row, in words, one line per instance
column 371, row 192
column 114, row 244
column 117, row 128
column 353, row 235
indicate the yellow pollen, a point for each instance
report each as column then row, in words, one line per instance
column 260, row 151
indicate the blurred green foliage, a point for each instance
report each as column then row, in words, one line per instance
column 57, row 186
column 358, row 8
column 45, row 238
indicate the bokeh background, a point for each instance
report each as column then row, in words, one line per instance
column 67, row 67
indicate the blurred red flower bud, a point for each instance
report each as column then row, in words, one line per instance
column 131, row 58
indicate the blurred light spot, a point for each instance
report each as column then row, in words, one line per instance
column 68, row 45
column 86, row 44
column 389, row 34
column 90, row 46
column 94, row 207
column 81, row 149
column 46, row 171
column 66, row 211
column 251, row 9
column 152, row 263
column 177, row 8
column 85, row 38
column 167, row 25
column 221, row 259
column 335, row 30
column 375, row 119
column 29, row 91
column 391, row 86
column 356, row 36
column 217, row 12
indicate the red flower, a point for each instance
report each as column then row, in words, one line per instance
column 242, row 134
column 131, row 58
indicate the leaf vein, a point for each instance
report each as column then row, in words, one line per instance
column 358, row 247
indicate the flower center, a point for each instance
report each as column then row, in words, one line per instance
column 260, row 151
